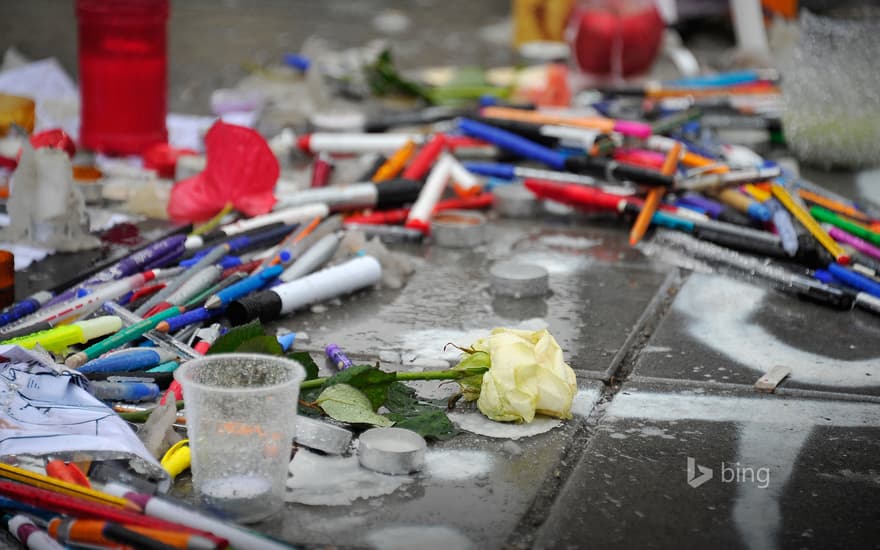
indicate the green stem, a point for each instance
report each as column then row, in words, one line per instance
column 450, row 374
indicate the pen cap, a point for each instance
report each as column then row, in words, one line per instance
column 99, row 326
column 397, row 192
column 263, row 305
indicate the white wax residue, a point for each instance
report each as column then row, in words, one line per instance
column 335, row 481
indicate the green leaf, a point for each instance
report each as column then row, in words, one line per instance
column 348, row 404
column 368, row 379
column 230, row 341
column 384, row 79
column 267, row 345
column 304, row 359
column 430, row 424
column 428, row 419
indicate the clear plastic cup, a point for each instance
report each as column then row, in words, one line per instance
column 240, row 414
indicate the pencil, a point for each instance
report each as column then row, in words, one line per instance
column 652, row 200
column 810, row 223
column 34, row 479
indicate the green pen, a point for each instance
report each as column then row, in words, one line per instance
column 168, row 366
column 57, row 339
column 827, row 216
column 124, row 336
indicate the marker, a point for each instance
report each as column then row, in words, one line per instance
column 286, row 216
column 861, row 245
column 164, row 341
column 167, row 259
column 25, row 307
column 715, row 209
column 302, row 243
column 851, row 227
column 373, row 162
column 199, row 315
column 124, row 336
column 337, row 357
column 807, row 221
column 330, row 282
column 58, row 339
column 244, row 287
column 322, row 168
column 855, row 280
column 26, row 532
column 390, row 194
column 713, row 181
column 133, row 390
column 127, row 360
column 395, row 163
column 510, row 171
column 419, row 217
column 76, row 307
column 399, row 215
column 197, row 282
column 605, row 125
column 424, row 159
column 206, row 337
column 735, row 199
column 123, row 535
column 513, row 142
column 321, row 142
column 464, row 183
column 316, row 256
column 86, row 532
column 131, row 264
column 833, row 205
column 653, row 198
column 208, row 259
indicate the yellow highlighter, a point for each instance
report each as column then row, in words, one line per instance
column 58, row 339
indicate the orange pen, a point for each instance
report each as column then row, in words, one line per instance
column 395, row 163
column 90, row 532
column 833, row 205
column 537, row 117
column 67, row 472
column 652, row 200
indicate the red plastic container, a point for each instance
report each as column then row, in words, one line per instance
column 123, row 74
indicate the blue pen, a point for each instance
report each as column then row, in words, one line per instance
column 826, row 277
column 672, row 222
column 198, row 315
column 133, row 390
column 720, row 80
column 255, row 240
column 25, row 307
column 297, row 61
column 225, row 262
column 784, row 226
column 244, row 287
column 855, row 280
column 512, row 142
column 127, row 360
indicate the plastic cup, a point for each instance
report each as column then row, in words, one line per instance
column 240, row 414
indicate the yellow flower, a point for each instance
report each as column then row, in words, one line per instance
column 527, row 375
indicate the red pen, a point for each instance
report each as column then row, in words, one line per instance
column 425, row 158
column 145, row 291
column 576, row 195
column 398, row 215
column 322, row 167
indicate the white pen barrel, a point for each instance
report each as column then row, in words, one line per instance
column 323, row 142
column 328, row 283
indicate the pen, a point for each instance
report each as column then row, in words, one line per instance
column 89, row 532
column 713, row 181
column 136, row 261
column 122, row 337
column 161, row 379
column 357, row 273
column 238, row 537
column 290, row 242
column 286, row 216
column 860, row 245
column 198, row 315
column 389, row 194
column 753, row 209
column 197, row 282
column 58, row 339
column 124, row 390
column 337, row 357
column 833, row 205
column 209, row 258
column 229, row 280
column 808, row 222
column 653, row 198
column 424, row 158
column 30, row 535
column 419, row 216
column 206, row 337
column 322, row 168
column 164, row 341
column 513, row 142
column 25, row 307
column 127, row 360
column 605, row 125
column 851, row 227
column 510, row 171
column 399, row 215
column 395, row 163
column 387, row 233
column 244, row 287
column 715, row 209
column 855, row 280
column 316, row 256
column 40, row 481
column 321, row 142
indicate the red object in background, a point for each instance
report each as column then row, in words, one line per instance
column 123, row 74
column 240, row 169
column 162, row 158
column 54, row 138
column 615, row 37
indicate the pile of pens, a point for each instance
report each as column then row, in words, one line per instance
column 131, row 323
column 61, row 509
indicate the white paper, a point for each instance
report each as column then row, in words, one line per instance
column 25, row 254
column 53, row 91
column 45, row 412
